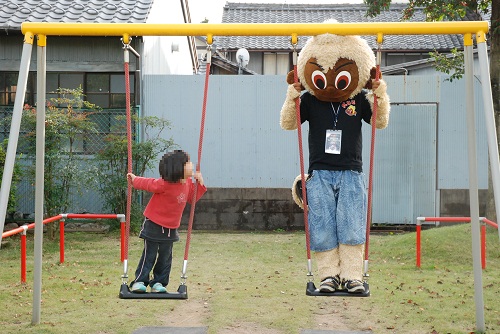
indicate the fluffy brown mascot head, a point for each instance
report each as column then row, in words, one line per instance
column 335, row 68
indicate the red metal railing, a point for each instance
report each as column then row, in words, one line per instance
column 483, row 221
column 61, row 218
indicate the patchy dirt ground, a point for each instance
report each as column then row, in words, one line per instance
column 188, row 313
column 193, row 313
column 350, row 317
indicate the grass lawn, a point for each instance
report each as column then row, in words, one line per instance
column 242, row 281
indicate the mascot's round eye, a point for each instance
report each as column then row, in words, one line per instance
column 319, row 79
column 343, row 80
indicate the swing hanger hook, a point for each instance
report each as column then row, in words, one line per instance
column 380, row 41
column 126, row 39
column 294, row 40
column 210, row 40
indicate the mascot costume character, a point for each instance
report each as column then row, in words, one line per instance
column 338, row 76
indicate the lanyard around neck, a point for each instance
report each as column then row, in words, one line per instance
column 335, row 115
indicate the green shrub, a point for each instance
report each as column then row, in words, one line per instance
column 67, row 121
column 111, row 163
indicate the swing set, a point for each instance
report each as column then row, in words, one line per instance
column 378, row 29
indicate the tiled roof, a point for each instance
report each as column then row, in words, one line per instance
column 317, row 13
column 15, row 12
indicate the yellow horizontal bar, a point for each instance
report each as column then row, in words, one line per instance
column 253, row 29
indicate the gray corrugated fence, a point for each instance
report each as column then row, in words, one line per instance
column 420, row 153
column 249, row 162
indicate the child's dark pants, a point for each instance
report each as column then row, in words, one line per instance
column 156, row 255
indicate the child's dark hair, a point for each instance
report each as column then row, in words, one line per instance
column 172, row 165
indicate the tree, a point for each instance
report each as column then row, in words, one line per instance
column 109, row 174
column 438, row 10
column 66, row 123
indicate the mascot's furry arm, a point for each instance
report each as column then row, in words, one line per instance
column 383, row 103
column 288, row 115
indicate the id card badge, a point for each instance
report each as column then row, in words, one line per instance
column 333, row 141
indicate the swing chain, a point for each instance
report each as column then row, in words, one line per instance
column 209, row 53
column 294, row 50
column 380, row 40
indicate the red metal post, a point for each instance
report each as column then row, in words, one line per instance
column 92, row 215
column 23, row 257
column 61, row 241
column 61, row 218
column 419, row 228
column 491, row 223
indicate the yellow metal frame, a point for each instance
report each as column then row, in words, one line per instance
column 255, row 29
column 378, row 29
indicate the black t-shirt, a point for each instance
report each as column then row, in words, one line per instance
column 321, row 116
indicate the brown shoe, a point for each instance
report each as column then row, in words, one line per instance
column 354, row 286
column 330, row 284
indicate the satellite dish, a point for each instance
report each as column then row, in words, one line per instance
column 242, row 57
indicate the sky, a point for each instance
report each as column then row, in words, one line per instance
column 212, row 9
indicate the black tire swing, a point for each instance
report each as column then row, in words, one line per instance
column 311, row 289
column 181, row 292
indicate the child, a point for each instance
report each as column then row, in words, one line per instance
column 163, row 216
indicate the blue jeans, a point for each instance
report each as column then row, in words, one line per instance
column 337, row 209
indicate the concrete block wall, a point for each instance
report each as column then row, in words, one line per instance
column 246, row 209
column 455, row 202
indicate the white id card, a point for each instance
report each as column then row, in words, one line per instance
column 333, row 141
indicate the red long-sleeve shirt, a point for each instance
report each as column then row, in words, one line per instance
column 168, row 200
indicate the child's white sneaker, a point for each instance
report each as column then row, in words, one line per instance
column 138, row 287
column 158, row 288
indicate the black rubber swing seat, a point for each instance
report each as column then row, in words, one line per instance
column 181, row 293
column 312, row 291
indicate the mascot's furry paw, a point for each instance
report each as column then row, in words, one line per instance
column 383, row 104
column 297, row 191
column 288, row 117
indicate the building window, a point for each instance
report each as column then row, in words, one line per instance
column 276, row 63
column 8, row 88
column 106, row 90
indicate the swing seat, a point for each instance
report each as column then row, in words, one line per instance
column 312, row 291
column 181, row 293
